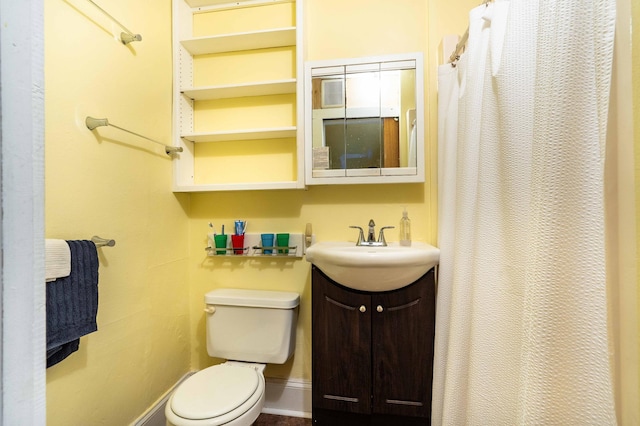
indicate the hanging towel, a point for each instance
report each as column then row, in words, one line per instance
column 72, row 303
column 57, row 259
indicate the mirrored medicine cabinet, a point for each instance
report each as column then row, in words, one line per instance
column 364, row 120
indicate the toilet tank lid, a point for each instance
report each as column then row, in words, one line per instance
column 252, row 298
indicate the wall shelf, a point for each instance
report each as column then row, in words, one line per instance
column 253, row 248
column 250, row 186
column 260, row 88
column 220, row 187
column 237, row 42
column 224, row 4
column 240, row 135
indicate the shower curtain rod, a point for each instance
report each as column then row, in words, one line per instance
column 459, row 48
column 463, row 42
column 92, row 123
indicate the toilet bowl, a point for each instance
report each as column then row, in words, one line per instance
column 250, row 328
column 230, row 394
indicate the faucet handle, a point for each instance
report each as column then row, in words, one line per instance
column 381, row 238
column 360, row 235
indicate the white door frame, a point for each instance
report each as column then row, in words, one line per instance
column 22, row 326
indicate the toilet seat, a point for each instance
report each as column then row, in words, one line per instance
column 216, row 395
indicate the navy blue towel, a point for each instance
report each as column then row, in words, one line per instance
column 72, row 303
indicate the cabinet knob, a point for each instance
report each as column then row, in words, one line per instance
column 379, row 308
column 363, row 308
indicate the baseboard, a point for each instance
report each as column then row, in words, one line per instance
column 282, row 397
column 154, row 416
column 290, row 397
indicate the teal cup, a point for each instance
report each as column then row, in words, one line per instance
column 267, row 241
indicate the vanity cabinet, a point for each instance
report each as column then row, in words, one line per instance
column 372, row 353
column 237, row 96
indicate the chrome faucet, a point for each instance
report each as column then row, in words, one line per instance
column 371, row 235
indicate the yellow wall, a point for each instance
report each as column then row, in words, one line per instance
column 622, row 190
column 117, row 186
column 635, row 40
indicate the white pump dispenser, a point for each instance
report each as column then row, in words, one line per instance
column 405, row 229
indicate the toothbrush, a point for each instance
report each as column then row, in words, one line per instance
column 223, row 229
column 240, row 226
column 214, row 230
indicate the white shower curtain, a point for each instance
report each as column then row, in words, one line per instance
column 521, row 327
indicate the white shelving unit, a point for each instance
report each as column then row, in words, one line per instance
column 185, row 96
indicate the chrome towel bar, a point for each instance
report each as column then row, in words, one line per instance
column 92, row 123
column 127, row 36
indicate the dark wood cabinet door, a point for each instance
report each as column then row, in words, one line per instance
column 341, row 347
column 402, row 344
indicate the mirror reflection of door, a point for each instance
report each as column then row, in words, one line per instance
column 354, row 143
column 363, row 128
column 390, row 142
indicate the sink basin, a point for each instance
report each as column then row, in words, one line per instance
column 373, row 268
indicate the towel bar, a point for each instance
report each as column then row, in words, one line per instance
column 101, row 242
column 92, row 123
column 127, row 36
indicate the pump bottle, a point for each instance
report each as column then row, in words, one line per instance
column 405, row 229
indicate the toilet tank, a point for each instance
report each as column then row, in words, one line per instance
column 251, row 325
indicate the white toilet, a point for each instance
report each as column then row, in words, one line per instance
column 249, row 328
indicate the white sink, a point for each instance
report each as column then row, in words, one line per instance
column 373, row 268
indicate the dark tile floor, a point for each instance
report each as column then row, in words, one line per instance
column 273, row 420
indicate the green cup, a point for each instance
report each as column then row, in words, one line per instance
column 221, row 242
column 283, row 241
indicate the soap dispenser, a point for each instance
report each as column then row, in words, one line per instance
column 405, row 229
